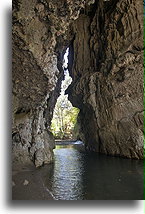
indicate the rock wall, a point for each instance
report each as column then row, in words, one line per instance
column 40, row 36
column 106, row 64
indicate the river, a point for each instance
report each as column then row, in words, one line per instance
column 78, row 175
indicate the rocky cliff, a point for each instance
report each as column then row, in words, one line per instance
column 41, row 34
column 105, row 62
column 107, row 72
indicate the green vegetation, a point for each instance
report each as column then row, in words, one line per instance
column 64, row 119
column 65, row 115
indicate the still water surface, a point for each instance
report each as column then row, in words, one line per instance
column 77, row 175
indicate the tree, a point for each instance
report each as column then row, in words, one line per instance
column 65, row 115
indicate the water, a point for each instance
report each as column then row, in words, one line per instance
column 77, row 175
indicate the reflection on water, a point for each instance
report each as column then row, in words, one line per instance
column 67, row 183
column 77, row 175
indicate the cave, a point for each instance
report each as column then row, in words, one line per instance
column 105, row 41
column 64, row 125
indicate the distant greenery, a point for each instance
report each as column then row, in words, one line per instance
column 65, row 115
column 64, row 119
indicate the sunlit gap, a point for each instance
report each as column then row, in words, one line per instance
column 64, row 123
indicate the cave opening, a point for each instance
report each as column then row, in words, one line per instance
column 64, row 122
column 105, row 61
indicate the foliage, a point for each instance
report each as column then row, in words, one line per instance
column 64, row 118
column 64, row 115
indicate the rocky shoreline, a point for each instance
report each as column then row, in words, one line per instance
column 28, row 184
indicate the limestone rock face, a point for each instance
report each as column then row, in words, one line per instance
column 40, row 37
column 107, row 72
column 105, row 62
